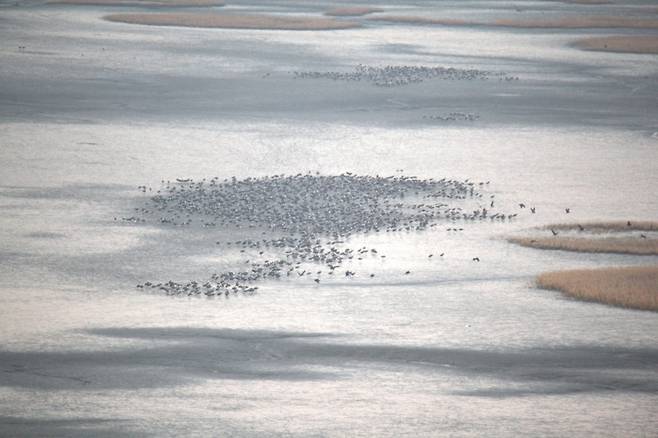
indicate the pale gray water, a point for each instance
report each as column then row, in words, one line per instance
column 91, row 109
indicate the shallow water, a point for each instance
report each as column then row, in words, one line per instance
column 90, row 110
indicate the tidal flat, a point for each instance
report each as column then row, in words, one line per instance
column 295, row 222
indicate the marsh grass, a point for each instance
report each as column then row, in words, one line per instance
column 615, row 245
column 630, row 287
column 406, row 19
column 587, row 2
column 142, row 3
column 607, row 226
column 624, row 44
column 355, row 11
column 264, row 22
column 573, row 22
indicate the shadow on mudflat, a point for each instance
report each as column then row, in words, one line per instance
column 177, row 356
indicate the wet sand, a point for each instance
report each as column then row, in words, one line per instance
column 264, row 22
column 630, row 287
column 620, row 44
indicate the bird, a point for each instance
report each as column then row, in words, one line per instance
column 521, row 205
column 317, row 280
column 581, row 228
column 430, row 256
column 532, row 209
column 644, row 236
column 407, row 273
column 628, row 223
column 476, row 259
column 555, row 233
column 567, row 210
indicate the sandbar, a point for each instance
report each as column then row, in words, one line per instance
column 264, row 22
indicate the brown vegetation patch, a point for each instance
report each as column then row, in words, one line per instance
column 582, row 22
column 355, row 11
column 615, row 245
column 405, row 19
column 603, row 226
column 625, row 44
column 145, row 3
column 232, row 21
column 631, row 287
column 587, row 2
column 573, row 22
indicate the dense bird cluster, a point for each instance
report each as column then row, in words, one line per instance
column 314, row 205
column 397, row 75
column 313, row 214
column 453, row 117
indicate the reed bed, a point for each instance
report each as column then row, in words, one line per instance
column 587, row 2
column 355, row 11
column 574, row 22
column 407, row 19
column 142, row 3
column 615, row 245
column 630, row 287
column 264, row 22
column 607, row 226
column 624, row 44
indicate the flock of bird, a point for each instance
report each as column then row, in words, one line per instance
column 453, row 117
column 312, row 216
column 397, row 75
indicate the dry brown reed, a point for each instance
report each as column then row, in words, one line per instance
column 626, row 44
column 614, row 245
column 355, row 11
column 606, row 226
column 143, row 3
column 572, row 22
column 407, row 19
column 575, row 22
column 587, row 2
column 631, row 287
column 265, row 22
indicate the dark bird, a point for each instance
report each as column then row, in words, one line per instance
column 628, row 223
column 532, row 209
column 522, row 205
column 644, row 236
column 407, row 273
column 581, row 228
column 567, row 210
column 317, row 280
column 441, row 255
column 476, row 259
column 430, row 256
column 555, row 233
